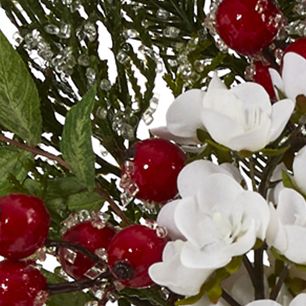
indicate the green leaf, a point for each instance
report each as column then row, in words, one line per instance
column 275, row 152
column 67, row 299
column 287, row 180
column 19, row 99
column 14, row 164
column 76, row 143
column 85, row 200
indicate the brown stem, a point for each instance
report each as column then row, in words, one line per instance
column 74, row 247
column 259, row 274
column 278, row 286
column 229, row 299
column 34, row 151
column 114, row 207
column 76, row 285
column 250, row 269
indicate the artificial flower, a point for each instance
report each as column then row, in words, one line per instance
column 299, row 173
column 174, row 275
column 287, row 229
column 293, row 79
column 299, row 300
column 241, row 118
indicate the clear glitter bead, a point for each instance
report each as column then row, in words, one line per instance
column 199, row 65
column 101, row 112
column 147, row 117
column 84, row 215
column 145, row 23
column 159, row 66
column 90, row 31
column 102, row 254
column 17, row 38
column 173, row 63
column 130, row 34
column 185, row 70
column 95, row 271
column 52, row 29
column 250, row 72
column 165, row 293
column 135, row 106
column 75, row 6
column 41, row 298
column 105, row 85
column 83, row 60
column 154, row 104
column 161, row 232
column 67, row 2
column 71, row 221
column 162, row 14
column 112, row 297
column 127, row 131
column 70, row 256
column 122, row 57
column 92, row 303
column 221, row 45
column 279, row 53
column 65, row 31
column 90, row 75
column 171, row 32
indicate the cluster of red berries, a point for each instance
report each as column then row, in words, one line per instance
column 24, row 225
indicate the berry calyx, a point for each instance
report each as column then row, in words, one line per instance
column 157, row 163
column 248, row 26
column 89, row 236
column 21, row 285
column 24, row 225
column 299, row 47
column 262, row 76
column 131, row 252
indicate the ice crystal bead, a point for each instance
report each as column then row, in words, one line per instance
column 101, row 112
column 65, row 31
column 165, row 293
column 70, row 256
column 162, row 14
column 95, row 271
column 92, row 303
column 105, row 85
column 52, row 29
column 122, row 57
column 171, row 32
column 102, row 254
column 91, row 75
column 130, row 34
column 17, row 38
column 83, row 60
column 147, row 117
column 90, row 31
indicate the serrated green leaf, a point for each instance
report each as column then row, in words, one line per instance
column 15, row 164
column 85, row 200
column 67, row 299
column 76, row 143
column 19, row 99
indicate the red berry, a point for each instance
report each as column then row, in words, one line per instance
column 299, row 47
column 24, row 225
column 131, row 252
column 21, row 285
column 263, row 77
column 157, row 163
column 247, row 26
column 88, row 236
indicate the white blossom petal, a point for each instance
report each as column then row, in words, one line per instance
column 294, row 75
column 184, row 114
column 299, row 166
column 173, row 275
column 253, row 95
column 299, row 300
column 264, row 303
column 192, row 176
column 296, row 236
column 277, row 80
column 165, row 218
column 281, row 113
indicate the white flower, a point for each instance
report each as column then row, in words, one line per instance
column 175, row 276
column 221, row 221
column 287, row 229
column 299, row 300
column 293, row 79
column 241, row 118
column 299, row 166
column 190, row 181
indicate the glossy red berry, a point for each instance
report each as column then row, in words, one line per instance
column 21, row 285
column 262, row 76
column 157, row 163
column 299, row 47
column 247, row 26
column 89, row 236
column 131, row 252
column 24, row 225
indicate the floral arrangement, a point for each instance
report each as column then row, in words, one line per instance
column 208, row 210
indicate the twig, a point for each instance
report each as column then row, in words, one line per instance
column 229, row 299
column 250, row 268
column 34, row 151
column 76, row 285
column 278, row 286
column 74, row 247
column 259, row 274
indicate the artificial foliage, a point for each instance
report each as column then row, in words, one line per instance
column 69, row 119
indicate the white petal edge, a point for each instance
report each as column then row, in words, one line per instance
column 299, row 166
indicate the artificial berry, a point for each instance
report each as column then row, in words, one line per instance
column 247, row 26
column 262, row 76
column 157, row 163
column 299, row 47
column 21, row 285
column 90, row 236
column 24, row 225
column 131, row 252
